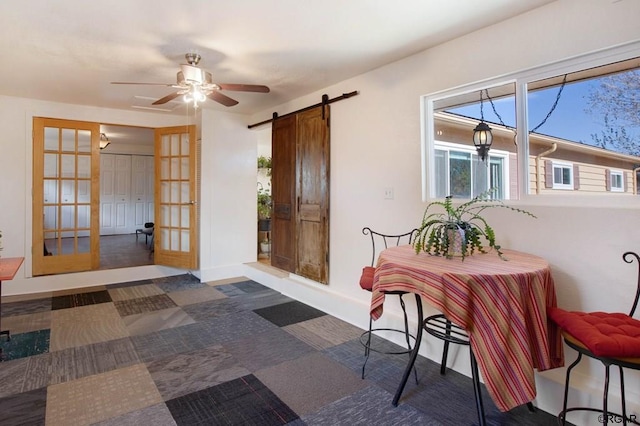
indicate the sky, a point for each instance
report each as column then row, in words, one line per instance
column 570, row 120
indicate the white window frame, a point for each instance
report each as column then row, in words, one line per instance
column 521, row 79
column 616, row 173
column 558, row 165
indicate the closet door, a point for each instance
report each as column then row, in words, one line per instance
column 107, row 194
column 142, row 189
column 122, row 192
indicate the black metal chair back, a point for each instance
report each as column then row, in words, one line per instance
column 381, row 242
column 627, row 258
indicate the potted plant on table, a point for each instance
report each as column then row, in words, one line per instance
column 459, row 231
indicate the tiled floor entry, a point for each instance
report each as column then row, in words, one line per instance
column 175, row 351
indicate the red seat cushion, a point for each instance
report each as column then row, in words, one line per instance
column 612, row 335
column 366, row 279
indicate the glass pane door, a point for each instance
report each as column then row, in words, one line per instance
column 65, row 190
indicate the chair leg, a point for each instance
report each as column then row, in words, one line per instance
column 605, row 397
column 566, row 388
column 445, row 350
column 477, row 390
column 406, row 333
column 366, row 348
column 624, row 404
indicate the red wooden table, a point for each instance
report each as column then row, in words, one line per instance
column 501, row 304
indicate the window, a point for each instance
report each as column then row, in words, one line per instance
column 461, row 174
column 616, row 182
column 580, row 115
column 562, row 176
column 457, row 168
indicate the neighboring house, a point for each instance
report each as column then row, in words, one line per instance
column 555, row 165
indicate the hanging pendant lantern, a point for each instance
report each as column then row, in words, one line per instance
column 482, row 136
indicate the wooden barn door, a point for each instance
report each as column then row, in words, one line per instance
column 300, row 185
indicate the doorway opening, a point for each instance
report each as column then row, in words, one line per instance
column 126, row 196
column 264, row 205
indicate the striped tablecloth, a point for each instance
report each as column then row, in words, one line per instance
column 501, row 304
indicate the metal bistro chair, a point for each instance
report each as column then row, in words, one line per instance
column 611, row 338
column 439, row 326
column 380, row 242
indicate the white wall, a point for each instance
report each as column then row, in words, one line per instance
column 375, row 143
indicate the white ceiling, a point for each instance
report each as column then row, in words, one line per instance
column 70, row 50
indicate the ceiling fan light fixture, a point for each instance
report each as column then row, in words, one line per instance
column 104, row 141
column 195, row 95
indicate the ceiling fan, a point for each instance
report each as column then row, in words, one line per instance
column 197, row 85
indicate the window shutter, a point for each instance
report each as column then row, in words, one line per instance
column 626, row 181
column 607, row 179
column 576, row 177
column 548, row 174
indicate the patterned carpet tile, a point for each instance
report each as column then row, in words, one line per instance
column 149, row 322
column 259, row 300
column 158, row 415
column 212, row 309
column 178, row 282
column 130, row 284
column 29, row 322
column 134, row 292
column 334, row 382
column 12, row 375
column 289, row 313
column 101, row 396
column 188, row 372
column 267, row 349
column 144, row 304
column 368, row 406
column 86, row 325
column 26, row 307
column 172, row 341
column 72, row 291
column 38, row 372
column 324, row 332
column 26, row 408
column 244, row 401
column 235, row 326
column 250, row 286
column 196, row 295
column 75, row 363
column 80, row 299
column 24, row 344
column 230, row 290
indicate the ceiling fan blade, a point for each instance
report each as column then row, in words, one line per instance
column 145, row 84
column 244, row 87
column 166, row 98
column 223, row 99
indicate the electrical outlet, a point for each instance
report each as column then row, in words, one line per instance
column 388, row 193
